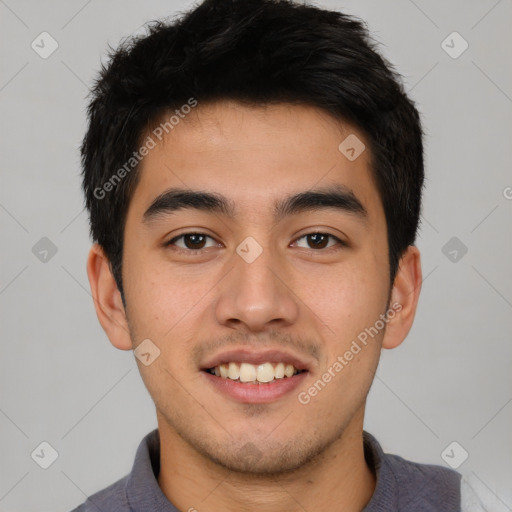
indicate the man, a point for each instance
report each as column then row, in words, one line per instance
column 253, row 173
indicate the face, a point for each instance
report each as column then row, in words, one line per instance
column 278, row 273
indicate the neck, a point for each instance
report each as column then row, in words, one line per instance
column 338, row 479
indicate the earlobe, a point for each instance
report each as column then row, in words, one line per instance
column 107, row 299
column 404, row 295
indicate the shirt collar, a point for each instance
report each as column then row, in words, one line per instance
column 142, row 489
column 385, row 496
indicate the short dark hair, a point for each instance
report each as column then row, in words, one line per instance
column 256, row 52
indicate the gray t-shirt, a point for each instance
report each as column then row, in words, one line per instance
column 402, row 485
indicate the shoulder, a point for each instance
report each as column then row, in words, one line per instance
column 418, row 474
column 410, row 486
column 112, row 498
column 136, row 488
column 424, row 486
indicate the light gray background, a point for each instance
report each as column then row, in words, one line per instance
column 62, row 382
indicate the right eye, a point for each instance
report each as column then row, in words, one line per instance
column 191, row 242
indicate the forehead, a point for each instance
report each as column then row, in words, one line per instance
column 256, row 155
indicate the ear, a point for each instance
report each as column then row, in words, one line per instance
column 404, row 298
column 107, row 299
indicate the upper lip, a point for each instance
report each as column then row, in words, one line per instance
column 255, row 357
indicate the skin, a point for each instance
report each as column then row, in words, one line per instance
column 312, row 302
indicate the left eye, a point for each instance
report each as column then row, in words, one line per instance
column 319, row 240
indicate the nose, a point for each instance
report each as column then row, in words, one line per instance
column 257, row 295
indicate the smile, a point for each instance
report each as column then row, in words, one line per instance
column 254, row 374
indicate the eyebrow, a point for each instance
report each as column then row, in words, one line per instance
column 334, row 197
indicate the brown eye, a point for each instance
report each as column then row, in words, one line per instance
column 190, row 241
column 319, row 240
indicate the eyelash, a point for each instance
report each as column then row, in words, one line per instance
column 171, row 242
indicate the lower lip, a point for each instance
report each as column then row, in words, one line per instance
column 256, row 393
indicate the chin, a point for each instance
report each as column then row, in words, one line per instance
column 260, row 458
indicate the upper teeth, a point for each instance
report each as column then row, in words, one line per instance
column 246, row 372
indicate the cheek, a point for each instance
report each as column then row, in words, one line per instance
column 152, row 297
column 350, row 306
column 165, row 303
column 348, row 297
column 163, row 308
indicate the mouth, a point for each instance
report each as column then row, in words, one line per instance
column 248, row 373
column 251, row 377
